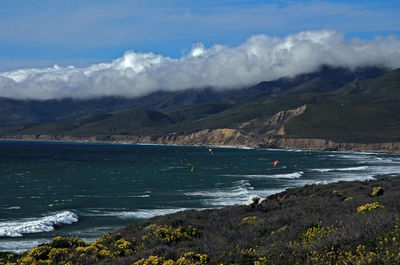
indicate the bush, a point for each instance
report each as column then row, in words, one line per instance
column 255, row 200
column 369, row 207
column 376, row 191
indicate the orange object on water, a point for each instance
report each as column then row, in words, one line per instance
column 276, row 162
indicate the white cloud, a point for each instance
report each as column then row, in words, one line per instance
column 258, row 59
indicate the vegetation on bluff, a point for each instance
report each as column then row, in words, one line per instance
column 339, row 223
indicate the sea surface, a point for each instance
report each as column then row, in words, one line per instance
column 49, row 189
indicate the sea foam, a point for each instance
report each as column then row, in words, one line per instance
column 293, row 175
column 123, row 214
column 240, row 193
column 322, row 170
column 36, row 225
column 19, row 246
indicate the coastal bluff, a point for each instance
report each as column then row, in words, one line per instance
column 257, row 133
column 223, row 137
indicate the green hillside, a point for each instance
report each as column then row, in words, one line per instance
column 198, row 111
column 371, row 114
column 379, row 122
column 361, row 111
column 133, row 122
column 101, row 124
column 365, row 111
column 385, row 88
column 13, row 111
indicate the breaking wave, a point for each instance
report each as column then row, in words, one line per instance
column 322, row 170
column 36, row 225
column 140, row 213
column 294, row 175
column 240, row 193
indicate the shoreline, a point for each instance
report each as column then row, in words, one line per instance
column 56, row 143
column 268, row 144
column 345, row 199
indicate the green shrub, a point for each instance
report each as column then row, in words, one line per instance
column 255, row 200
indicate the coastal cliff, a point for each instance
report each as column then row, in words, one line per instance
column 256, row 133
column 223, row 137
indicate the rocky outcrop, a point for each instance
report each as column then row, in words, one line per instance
column 274, row 125
column 203, row 137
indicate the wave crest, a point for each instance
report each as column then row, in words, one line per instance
column 36, row 225
column 293, row 175
column 322, row 170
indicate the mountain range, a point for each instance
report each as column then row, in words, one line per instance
column 333, row 104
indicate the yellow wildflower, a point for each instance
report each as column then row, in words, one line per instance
column 368, row 207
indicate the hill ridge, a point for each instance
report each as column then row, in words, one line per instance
column 330, row 120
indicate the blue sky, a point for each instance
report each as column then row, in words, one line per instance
column 92, row 48
column 41, row 33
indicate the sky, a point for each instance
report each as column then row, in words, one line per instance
column 89, row 48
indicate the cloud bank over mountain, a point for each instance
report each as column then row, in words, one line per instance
column 260, row 58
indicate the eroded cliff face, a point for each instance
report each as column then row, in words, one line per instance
column 258, row 133
column 274, row 125
column 328, row 145
column 223, row 137
column 203, row 137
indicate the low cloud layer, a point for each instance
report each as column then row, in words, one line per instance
column 260, row 58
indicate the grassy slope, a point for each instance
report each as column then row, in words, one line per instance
column 366, row 111
column 198, row 111
column 103, row 124
column 137, row 122
column 348, row 122
column 317, row 224
column 380, row 89
column 185, row 120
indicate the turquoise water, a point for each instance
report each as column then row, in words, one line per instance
column 74, row 189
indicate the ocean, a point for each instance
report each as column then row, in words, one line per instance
column 50, row 189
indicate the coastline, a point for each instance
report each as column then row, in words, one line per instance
column 229, row 138
column 311, row 222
